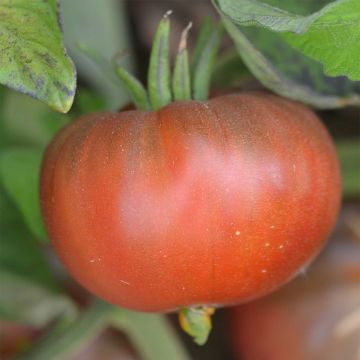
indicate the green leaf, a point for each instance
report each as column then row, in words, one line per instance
column 29, row 122
column 26, row 302
column 349, row 155
column 333, row 39
column 87, row 101
column 66, row 338
column 152, row 335
column 104, row 26
column 33, row 59
column 298, row 80
column 19, row 173
column 230, row 71
column 159, row 88
column 28, row 293
column 20, row 254
column 329, row 35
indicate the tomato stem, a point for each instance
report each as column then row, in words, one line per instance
column 159, row 68
column 181, row 82
column 196, row 321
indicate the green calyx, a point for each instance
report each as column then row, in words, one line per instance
column 196, row 322
column 187, row 80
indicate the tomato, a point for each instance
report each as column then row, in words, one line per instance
column 315, row 317
column 214, row 202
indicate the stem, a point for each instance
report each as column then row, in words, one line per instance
column 203, row 69
column 159, row 67
column 152, row 335
column 68, row 336
column 181, row 77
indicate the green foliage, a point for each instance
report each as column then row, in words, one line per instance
column 349, row 156
column 29, row 293
column 230, row 71
column 330, row 35
column 37, row 306
column 67, row 337
column 32, row 56
column 19, row 173
column 333, row 39
column 26, row 121
column 276, row 63
column 102, row 25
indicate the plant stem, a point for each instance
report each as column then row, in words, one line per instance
column 152, row 335
column 68, row 336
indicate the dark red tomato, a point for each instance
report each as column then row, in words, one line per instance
column 314, row 318
column 198, row 203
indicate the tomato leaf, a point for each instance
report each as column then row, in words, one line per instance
column 330, row 35
column 349, row 155
column 104, row 26
column 33, row 59
column 28, row 293
column 66, row 338
column 289, row 73
column 19, row 253
column 26, row 302
column 28, row 121
column 19, row 173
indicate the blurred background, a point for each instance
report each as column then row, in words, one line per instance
column 45, row 315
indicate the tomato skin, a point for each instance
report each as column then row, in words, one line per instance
column 315, row 317
column 197, row 203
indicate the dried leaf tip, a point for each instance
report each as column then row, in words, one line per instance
column 167, row 14
column 184, row 37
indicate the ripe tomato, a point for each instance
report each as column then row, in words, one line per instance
column 197, row 203
column 314, row 318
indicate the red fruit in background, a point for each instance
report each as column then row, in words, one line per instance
column 317, row 317
column 197, row 203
